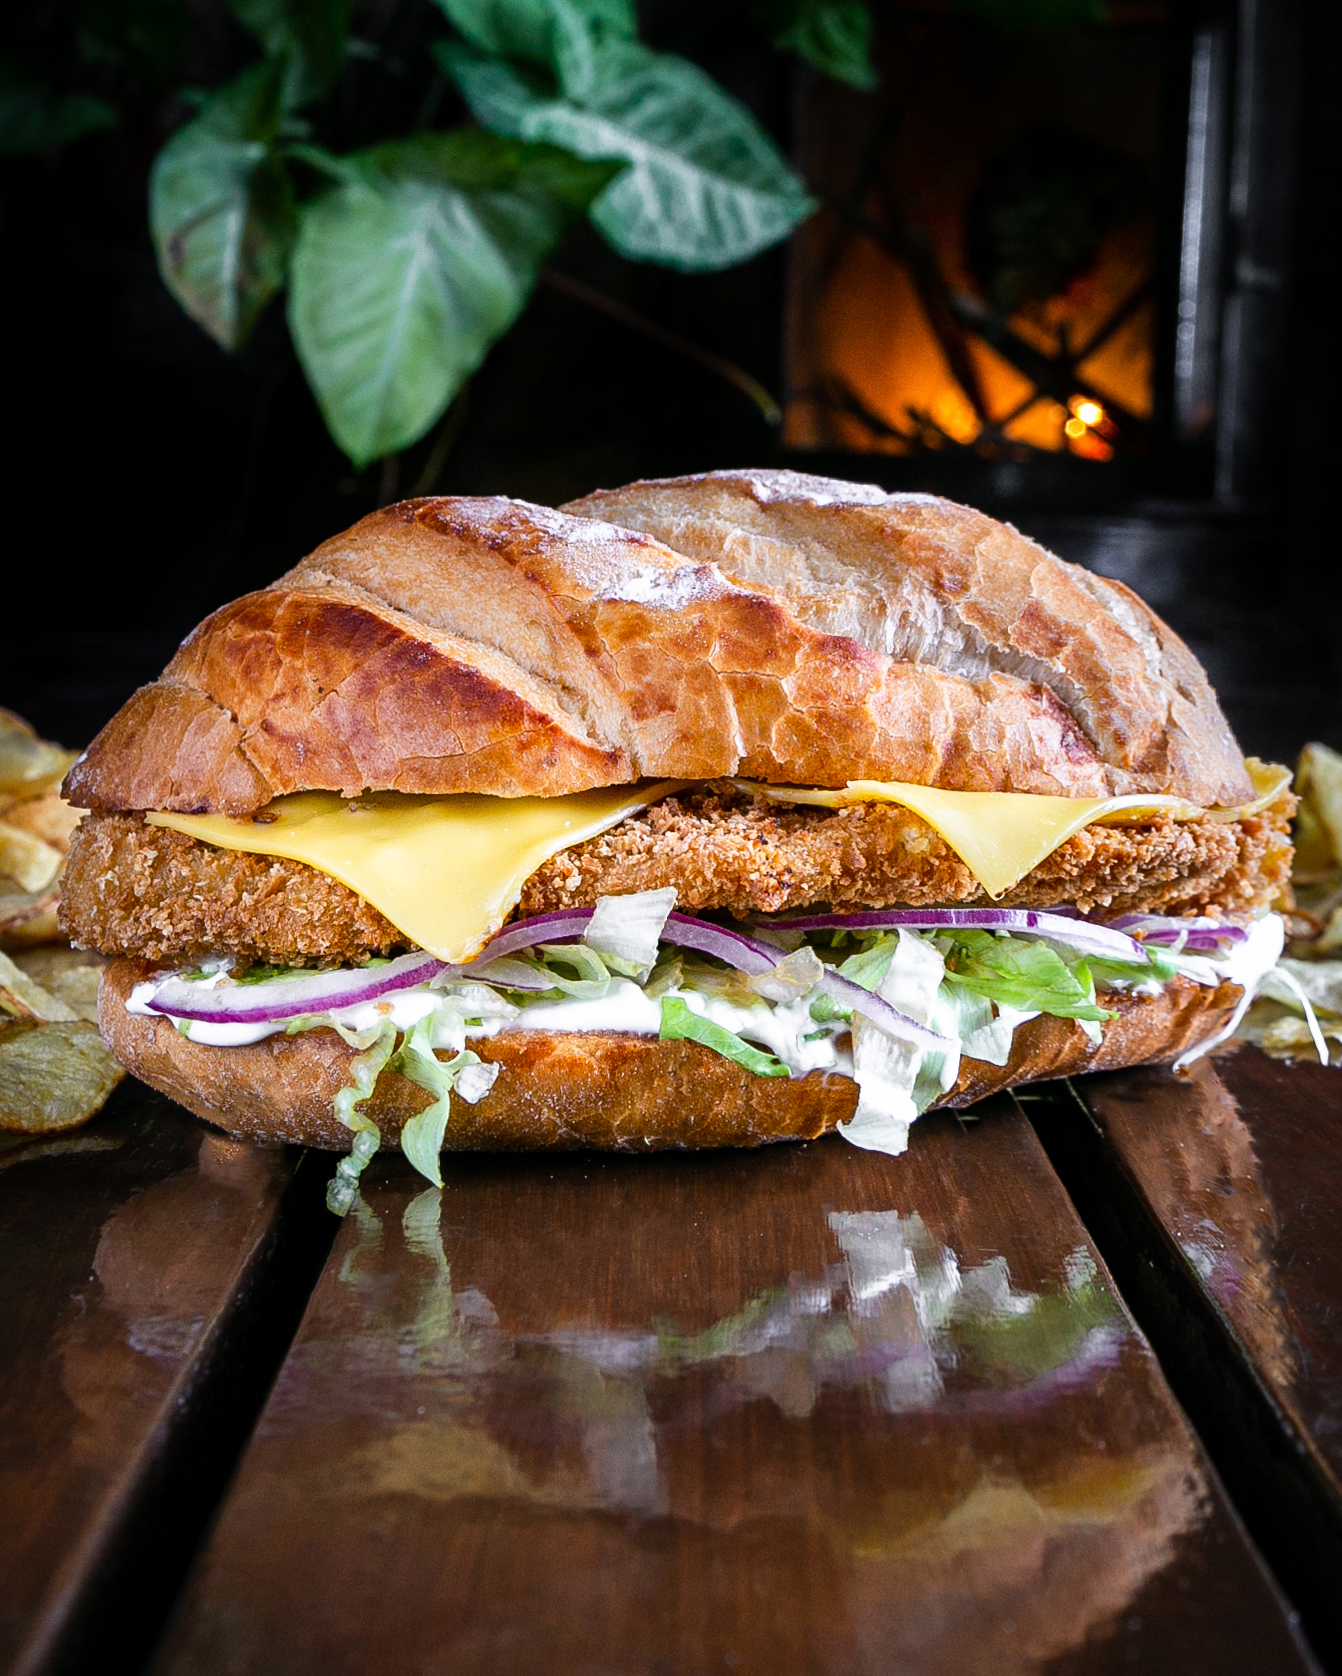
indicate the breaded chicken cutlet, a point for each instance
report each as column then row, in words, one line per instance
column 156, row 894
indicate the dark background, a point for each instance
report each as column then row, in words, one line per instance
column 149, row 476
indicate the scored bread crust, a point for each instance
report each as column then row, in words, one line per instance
column 487, row 645
column 599, row 1089
column 944, row 585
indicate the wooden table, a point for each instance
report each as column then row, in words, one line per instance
column 806, row 1410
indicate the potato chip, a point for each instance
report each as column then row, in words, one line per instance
column 1318, row 780
column 28, row 917
column 53, row 1076
column 30, row 862
column 28, row 765
column 73, row 975
column 48, row 817
column 23, row 998
column 1321, row 981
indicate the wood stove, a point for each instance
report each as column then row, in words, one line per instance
column 1052, row 265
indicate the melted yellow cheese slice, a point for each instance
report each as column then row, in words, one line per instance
column 444, row 870
column 1001, row 835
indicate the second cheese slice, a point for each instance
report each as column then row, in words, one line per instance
column 999, row 835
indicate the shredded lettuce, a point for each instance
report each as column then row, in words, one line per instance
column 795, row 975
column 422, row 1137
column 975, row 987
column 365, row 1068
column 625, row 930
column 896, row 1080
column 1117, row 974
column 867, row 967
column 1018, row 973
column 680, row 1024
column 593, row 975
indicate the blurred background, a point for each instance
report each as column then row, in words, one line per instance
column 1072, row 262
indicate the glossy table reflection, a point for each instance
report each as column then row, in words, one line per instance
column 810, row 1410
column 1239, row 1167
column 124, row 1250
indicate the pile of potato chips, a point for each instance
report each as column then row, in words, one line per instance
column 55, row 1072
column 1276, row 1021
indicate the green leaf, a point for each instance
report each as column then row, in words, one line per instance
column 1031, row 976
column 221, row 209
column 706, row 187
column 309, row 35
column 422, row 1136
column 680, row 1024
column 834, row 37
column 1154, row 969
column 563, row 35
column 407, row 271
column 365, row 1068
column 34, row 117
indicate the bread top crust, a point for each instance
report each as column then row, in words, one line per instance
column 801, row 631
column 925, row 580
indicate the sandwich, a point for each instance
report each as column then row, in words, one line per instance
column 708, row 812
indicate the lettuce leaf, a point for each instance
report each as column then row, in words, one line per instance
column 1022, row 974
column 365, row 1068
column 593, row 975
column 680, row 1024
column 626, row 930
column 422, row 1137
column 1154, row 969
column 896, row 1081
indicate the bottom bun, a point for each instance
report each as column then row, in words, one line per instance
column 599, row 1088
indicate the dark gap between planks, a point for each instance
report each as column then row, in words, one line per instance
column 122, row 1614
column 1291, row 1516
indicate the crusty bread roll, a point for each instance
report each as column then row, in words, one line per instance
column 796, row 631
column 782, row 628
column 598, row 1088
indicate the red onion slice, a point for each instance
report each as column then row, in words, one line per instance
column 1204, row 936
column 880, row 1012
column 526, row 933
column 745, row 954
column 1079, row 934
column 281, row 998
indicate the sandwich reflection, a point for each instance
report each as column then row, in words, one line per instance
column 958, row 1457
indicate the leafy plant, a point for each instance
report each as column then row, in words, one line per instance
column 405, row 261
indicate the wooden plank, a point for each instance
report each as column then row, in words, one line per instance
column 1236, row 1171
column 126, row 1248
column 811, row 1409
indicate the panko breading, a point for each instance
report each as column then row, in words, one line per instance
column 747, row 857
column 147, row 891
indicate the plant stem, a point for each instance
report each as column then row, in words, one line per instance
column 575, row 288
